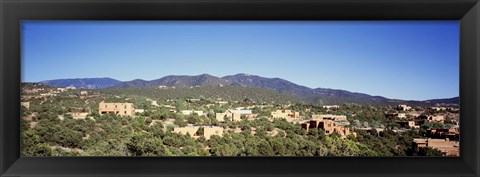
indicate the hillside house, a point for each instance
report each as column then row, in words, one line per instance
column 285, row 114
column 191, row 112
column 448, row 148
column 340, row 120
column 197, row 131
column 328, row 126
column 407, row 124
column 234, row 115
column 432, row 118
column 404, row 107
column 123, row 109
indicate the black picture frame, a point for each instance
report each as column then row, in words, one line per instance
column 14, row 11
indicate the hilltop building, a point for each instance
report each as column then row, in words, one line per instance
column 123, row 109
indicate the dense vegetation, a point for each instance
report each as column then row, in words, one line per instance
column 110, row 135
column 227, row 93
column 49, row 130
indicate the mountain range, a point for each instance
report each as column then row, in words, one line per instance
column 312, row 95
column 87, row 83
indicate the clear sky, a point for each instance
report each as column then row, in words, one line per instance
column 397, row 59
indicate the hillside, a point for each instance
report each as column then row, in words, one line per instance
column 233, row 93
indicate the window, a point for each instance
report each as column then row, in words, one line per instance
column 115, row 106
column 125, row 106
column 105, row 106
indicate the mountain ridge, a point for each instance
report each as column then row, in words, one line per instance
column 313, row 95
column 88, row 83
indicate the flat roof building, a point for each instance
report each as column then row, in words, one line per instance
column 197, row 131
column 123, row 109
column 285, row 114
column 328, row 126
column 447, row 147
column 234, row 115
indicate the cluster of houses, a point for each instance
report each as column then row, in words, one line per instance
column 420, row 120
column 329, row 123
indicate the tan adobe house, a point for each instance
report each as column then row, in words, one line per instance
column 234, row 115
column 328, row 126
column 197, row 131
column 285, row 114
column 404, row 107
column 123, row 109
column 448, row 148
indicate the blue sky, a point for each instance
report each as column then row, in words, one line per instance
column 397, row 59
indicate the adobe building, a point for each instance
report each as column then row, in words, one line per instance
column 448, row 148
column 340, row 120
column 407, row 124
column 431, row 118
column 190, row 112
column 396, row 115
column 329, row 126
column 452, row 133
column 234, row 115
column 197, row 131
column 285, row 114
column 123, row 109
column 404, row 107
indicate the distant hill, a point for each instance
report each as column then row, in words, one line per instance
column 177, row 81
column 87, row 83
column 227, row 93
column 311, row 95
